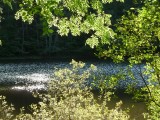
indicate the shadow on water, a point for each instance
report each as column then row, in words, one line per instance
column 20, row 98
column 136, row 108
column 23, row 98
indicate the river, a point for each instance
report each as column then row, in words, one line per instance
column 19, row 78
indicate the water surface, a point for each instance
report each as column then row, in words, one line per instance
column 19, row 79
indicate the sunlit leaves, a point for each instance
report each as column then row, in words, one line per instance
column 6, row 111
column 137, row 33
column 97, row 5
column 79, row 7
column 158, row 34
column 72, row 16
column 63, row 27
column 25, row 16
column 92, row 42
column 109, row 1
column 0, row 43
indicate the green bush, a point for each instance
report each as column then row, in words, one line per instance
column 69, row 98
column 6, row 111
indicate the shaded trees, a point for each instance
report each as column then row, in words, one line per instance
column 21, row 39
column 39, row 37
column 73, row 17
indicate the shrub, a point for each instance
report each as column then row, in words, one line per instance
column 70, row 98
column 6, row 111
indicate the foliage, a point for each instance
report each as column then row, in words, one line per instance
column 70, row 98
column 137, row 40
column 22, row 39
column 153, row 89
column 6, row 111
column 0, row 43
column 153, row 104
column 137, row 35
column 71, row 16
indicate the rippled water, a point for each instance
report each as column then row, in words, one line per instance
column 27, row 75
column 35, row 75
column 19, row 78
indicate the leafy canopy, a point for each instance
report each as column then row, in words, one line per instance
column 71, row 16
column 138, row 34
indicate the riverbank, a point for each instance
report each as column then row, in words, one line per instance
column 58, row 57
column 49, row 59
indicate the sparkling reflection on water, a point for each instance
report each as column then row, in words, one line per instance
column 19, row 78
column 35, row 75
column 27, row 76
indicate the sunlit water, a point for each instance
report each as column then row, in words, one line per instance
column 27, row 76
column 35, row 75
column 19, row 79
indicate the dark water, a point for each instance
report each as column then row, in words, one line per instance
column 19, row 79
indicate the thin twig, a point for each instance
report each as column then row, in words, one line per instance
column 150, row 93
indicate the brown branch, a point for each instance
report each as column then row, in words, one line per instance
column 150, row 93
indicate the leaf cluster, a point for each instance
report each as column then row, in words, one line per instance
column 69, row 98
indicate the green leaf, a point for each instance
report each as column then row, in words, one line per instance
column 0, row 43
column 92, row 42
column 158, row 35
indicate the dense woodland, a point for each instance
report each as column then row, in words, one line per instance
column 21, row 39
